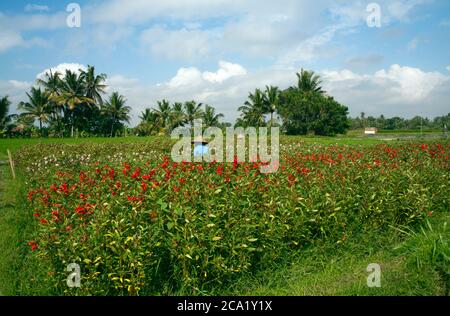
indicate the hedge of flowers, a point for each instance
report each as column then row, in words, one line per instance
column 138, row 223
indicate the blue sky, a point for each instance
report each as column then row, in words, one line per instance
column 217, row 51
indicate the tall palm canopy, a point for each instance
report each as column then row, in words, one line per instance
column 4, row 108
column 116, row 111
column 210, row 118
column 272, row 100
column 193, row 111
column 94, row 84
column 254, row 109
column 38, row 107
column 308, row 81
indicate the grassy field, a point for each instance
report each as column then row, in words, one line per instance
column 414, row 260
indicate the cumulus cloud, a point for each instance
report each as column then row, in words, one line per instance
column 61, row 68
column 226, row 71
column 399, row 90
column 192, row 76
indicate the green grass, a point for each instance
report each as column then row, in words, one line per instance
column 15, row 143
column 412, row 263
column 19, row 272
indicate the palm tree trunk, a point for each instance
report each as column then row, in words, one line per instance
column 71, row 128
column 271, row 119
column 112, row 125
column 40, row 126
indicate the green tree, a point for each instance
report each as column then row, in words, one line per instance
column 164, row 112
column 253, row 110
column 272, row 100
column 38, row 107
column 116, row 112
column 94, row 85
column 192, row 111
column 210, row 118
column 305, row 112
column 72, row 95
column 308, row 81
column 4, row 109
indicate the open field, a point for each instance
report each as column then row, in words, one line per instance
column 138, row 224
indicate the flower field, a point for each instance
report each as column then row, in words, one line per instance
column 139, row 224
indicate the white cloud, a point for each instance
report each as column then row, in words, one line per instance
column 226, row 71
column 186, row 76
column 36, row 7
column 400, row 90
column 61, row 68
column 192, row 76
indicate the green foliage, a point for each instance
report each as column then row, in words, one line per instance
column 306, row 112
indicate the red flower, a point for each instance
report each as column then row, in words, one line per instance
column 83, row 176
column 133, row 199
column 144, row 186
column 43, row 221
column 136, row 173
column 37, row 215
column 80, row 210
column 69, row 228
column 33, row 245
column 182, row 180
column 219, row 170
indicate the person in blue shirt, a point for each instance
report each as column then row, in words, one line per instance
column 200, row 146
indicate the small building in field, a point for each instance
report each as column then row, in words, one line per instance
column 370, row 131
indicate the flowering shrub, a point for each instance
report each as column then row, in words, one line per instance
column 138, row 223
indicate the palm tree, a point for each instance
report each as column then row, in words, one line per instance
column 150, row 122
column 193, row 111
column 72, row 94
column 94, row 85
column 178, row 118
column 210, row 118
column 38, row 106
column 164, row 112
column 308, row 81
column 146, row 115
column 116, row 111
column 4, row 108
column 254, row 109
column 272, row 100
column 51, row 83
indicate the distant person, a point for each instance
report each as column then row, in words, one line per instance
column 200, row 146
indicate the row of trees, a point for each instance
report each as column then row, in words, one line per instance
column 398, row 123
column 301, row 109
column 165, row 117
column 62, row 105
